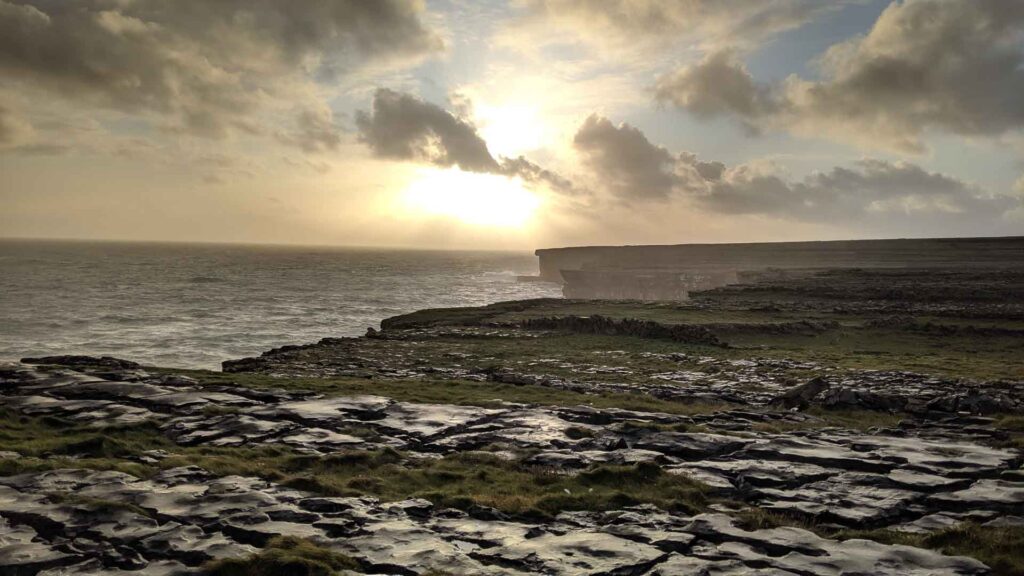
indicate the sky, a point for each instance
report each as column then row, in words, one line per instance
column 510, row 125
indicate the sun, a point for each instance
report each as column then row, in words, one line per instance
column 510, row 129
column 477, row 199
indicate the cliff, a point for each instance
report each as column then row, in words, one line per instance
column 664, row 272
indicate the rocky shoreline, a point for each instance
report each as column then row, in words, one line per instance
column 922, row 475
column 528, row 438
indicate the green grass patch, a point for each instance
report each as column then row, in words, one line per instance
column 50, row 436
column 460, row 480
column 460, row 392
column 285, row 556
column 471, row 479
column 1002, row 549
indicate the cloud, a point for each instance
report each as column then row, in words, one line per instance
column 950, row 65
column 718, row 85
column 206, row 68
column 624, row 160
column 533, row 174
column 315, row 130
column 870, row 189
column 14, row 131
column 19, row 136
column 401, row 126
column 633, row 169
column 657, row 22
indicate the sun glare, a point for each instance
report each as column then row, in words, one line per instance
column 479, row 199
column 510, row 130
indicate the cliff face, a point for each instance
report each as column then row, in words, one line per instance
column 668, row 272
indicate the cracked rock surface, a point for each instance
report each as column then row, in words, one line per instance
column 187, row 516
column 924, row 475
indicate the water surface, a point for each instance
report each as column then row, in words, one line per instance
column 196, row 305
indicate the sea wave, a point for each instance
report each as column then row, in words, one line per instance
column 194, row 307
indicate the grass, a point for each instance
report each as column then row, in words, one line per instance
column 285, row 556
column 470, row 479
column 1013, row 427
column 854, row 344
column 47, row 442
column 461, row 480
column 460, row 392
column 628, row 426
column 1011, row 423
column 852, row 419
column 46, row 436
column 999, row 548
column 465, row 480
column 985, row 358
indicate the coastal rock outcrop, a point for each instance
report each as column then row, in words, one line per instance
column 915, row 478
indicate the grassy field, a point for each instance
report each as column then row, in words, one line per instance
column 963, row 346
column 819, row 325
column 464, row 481
column 461, row 480
column 455, row 391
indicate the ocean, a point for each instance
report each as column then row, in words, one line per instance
column 195, row 305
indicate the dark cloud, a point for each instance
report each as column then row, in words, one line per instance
column 951, row 65
column 624, row 160
column 533, row 174
column 869, row 189
column 631, row 168
column 403, row 127
column 205, row 66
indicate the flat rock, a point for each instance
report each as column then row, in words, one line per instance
column 985, row 494
column 577, row 552
column 21, row 552
column 402, row 547
column 690, row 446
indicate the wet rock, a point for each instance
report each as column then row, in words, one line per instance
column 763, row 473
column 329, row 412
column 798, row 551
column 850, row 498
column 985, row 494
column 84, row 361
column 802, row 395
column 819, row 451
column 192, row 546
column 402, row 547
column 1006, row 522
column 483, row 533
column 257, row 528
column 929, row 473
column 578, row 552
column 426, row 420
column 225, row 430
column 929, row 523
column 320, row 439
column 690, row 446
column 97, row 568
column 22, row 554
